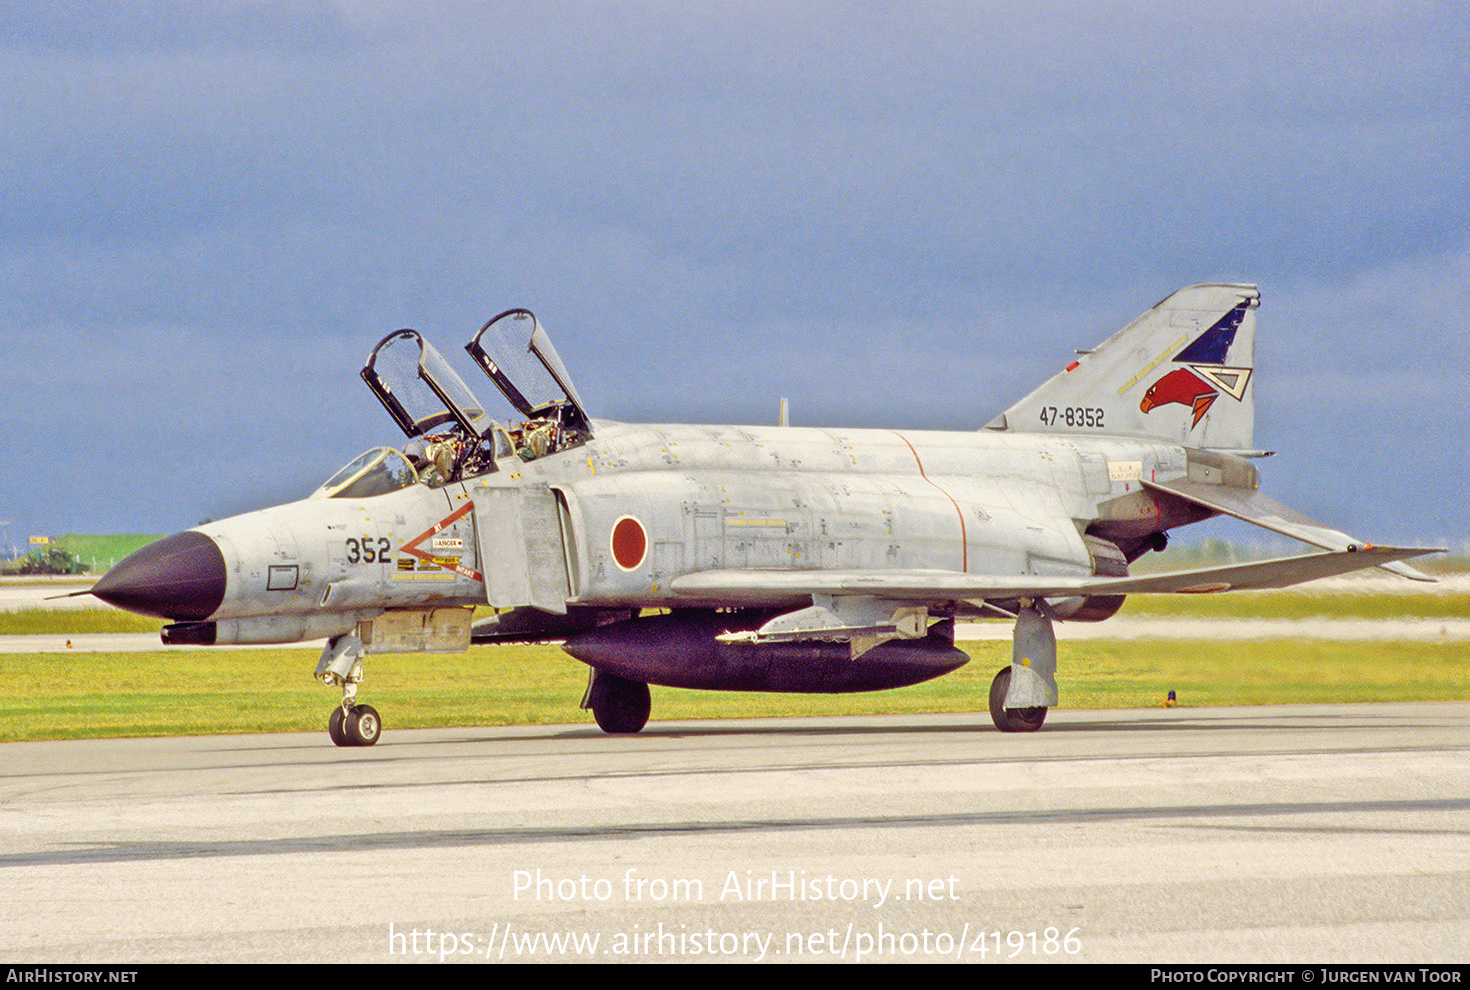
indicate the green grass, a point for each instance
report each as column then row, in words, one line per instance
column 53, row 696
column 62, row 696
column 103, row 550
column 68, row 622
column 1303, row 604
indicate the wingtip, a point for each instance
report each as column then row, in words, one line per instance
column 1404, row 570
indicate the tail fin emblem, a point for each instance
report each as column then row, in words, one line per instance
column 1182, row 386
column 1197, row 387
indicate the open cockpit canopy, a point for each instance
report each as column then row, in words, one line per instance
column 517, row 353
column 420, row 390
column 452, row 435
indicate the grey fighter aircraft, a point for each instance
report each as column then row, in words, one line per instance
column 746, row 558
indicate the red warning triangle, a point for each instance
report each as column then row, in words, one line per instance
column 412, row 546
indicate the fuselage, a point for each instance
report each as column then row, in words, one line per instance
column 613, row 522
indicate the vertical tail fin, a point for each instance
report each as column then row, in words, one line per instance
column 1182, row 372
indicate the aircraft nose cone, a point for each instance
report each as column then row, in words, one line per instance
column 181, row 577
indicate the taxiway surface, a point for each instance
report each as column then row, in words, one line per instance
column 1290, row 833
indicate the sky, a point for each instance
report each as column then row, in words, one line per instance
column 896, row 215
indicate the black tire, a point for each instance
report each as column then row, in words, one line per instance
column 1011, row 719
column 337, row 727
column 620, row 706
column 364, row 726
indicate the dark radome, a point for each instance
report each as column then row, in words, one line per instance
column 181, row 577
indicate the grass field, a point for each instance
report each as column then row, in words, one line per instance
column 99, row 552
column 55, row 696
column 62, row 696
column 1302, row 604
column 69, row 622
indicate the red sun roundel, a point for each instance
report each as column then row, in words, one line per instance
column 629, row 543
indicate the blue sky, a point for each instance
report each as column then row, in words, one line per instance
column 894, row 214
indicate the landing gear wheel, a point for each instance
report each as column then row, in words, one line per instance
column 336, row 727
column 363, row 726
column 1011, row 719
column 350, row 724
column 620, row 705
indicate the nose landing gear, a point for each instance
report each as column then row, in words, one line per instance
column 350, row 724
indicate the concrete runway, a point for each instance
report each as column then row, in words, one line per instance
column 1284, row 834
column 1290, row 834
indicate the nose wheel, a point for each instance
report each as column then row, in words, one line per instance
column 360, row 726
column 350, row 724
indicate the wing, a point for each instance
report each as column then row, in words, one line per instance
column 780, row 588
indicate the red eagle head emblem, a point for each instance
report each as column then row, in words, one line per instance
column 1182, row 386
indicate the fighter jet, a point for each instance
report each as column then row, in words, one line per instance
column 746, row 558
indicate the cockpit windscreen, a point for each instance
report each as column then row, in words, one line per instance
column 374, row 472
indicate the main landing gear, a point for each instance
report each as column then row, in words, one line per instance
column 620, row 706
column 1022, row 692
column 350, row 724
column 1012, row 719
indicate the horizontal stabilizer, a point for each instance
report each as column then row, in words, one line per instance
column 771, row 588
column 1264, row 511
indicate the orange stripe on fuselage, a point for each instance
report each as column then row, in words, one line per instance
column 964, row 537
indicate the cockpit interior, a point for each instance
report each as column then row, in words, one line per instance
column 450, row 435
